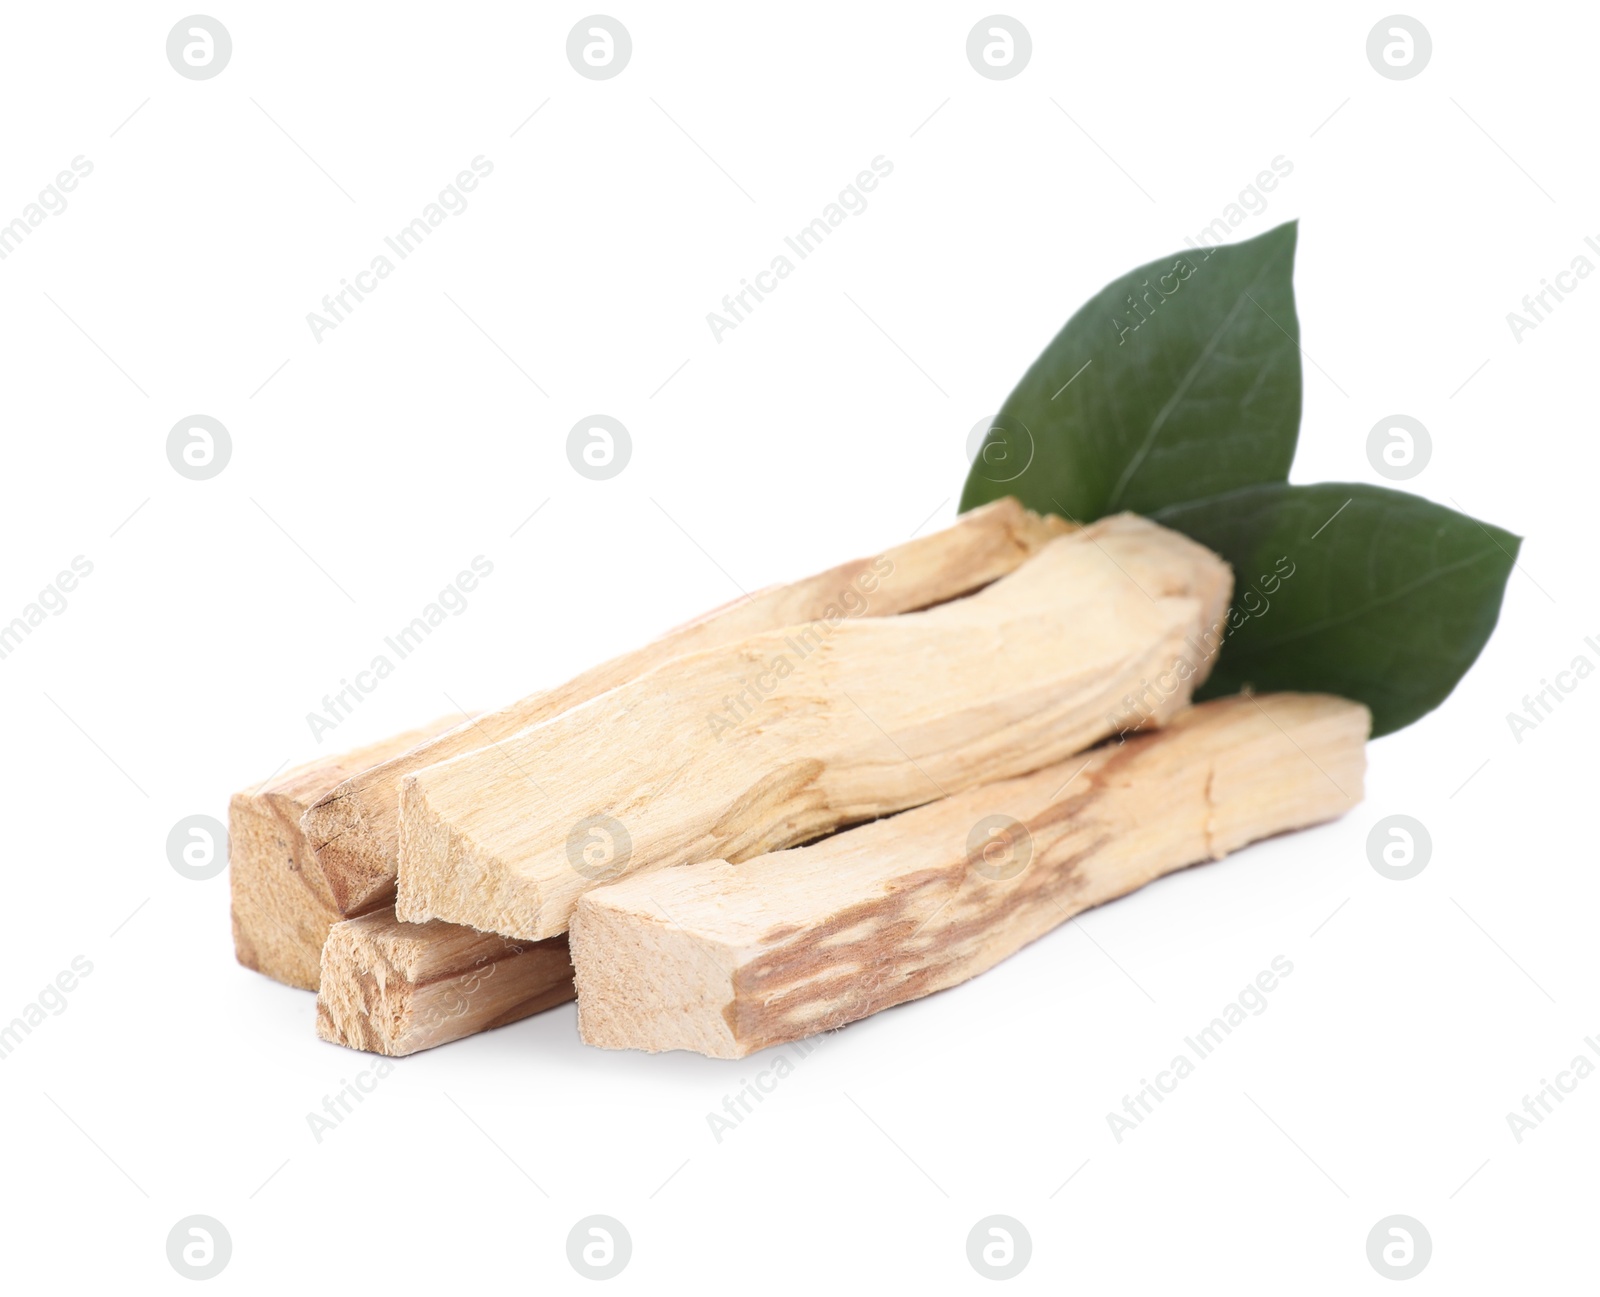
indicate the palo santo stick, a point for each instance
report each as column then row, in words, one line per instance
column 282, row 905
column 354, row 827
column 782, row 737
column 727, row 959
column 394, row 988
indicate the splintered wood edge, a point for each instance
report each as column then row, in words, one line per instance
column 396, row 988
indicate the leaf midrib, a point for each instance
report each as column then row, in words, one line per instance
column 1165, row 412
column 1354, row 613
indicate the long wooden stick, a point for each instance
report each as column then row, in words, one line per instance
column 282, row 904
column 396, row 988
column 353, row 828
column 782, row 737
column 726, row 959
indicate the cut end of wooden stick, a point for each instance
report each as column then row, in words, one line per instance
column 647, row 982
column 282, row 909
column 282, row 903
column 471, row 887
column 725, row 959
column 396, row 988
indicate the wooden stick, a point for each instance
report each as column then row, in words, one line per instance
column 782, row 737
column 282, row 905
column 727, row 959
column 354, row 827
column 395, row 988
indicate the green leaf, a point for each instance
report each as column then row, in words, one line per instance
column 1177, row 381
column 1388, row 598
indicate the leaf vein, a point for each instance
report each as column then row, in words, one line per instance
column 1188, row 380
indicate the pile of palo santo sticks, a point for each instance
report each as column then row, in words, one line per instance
column 1001, row 710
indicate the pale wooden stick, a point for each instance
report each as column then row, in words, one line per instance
column 727, row 959
column 784, row 736
column 282, row 905
column 395, row 988
column 354, row 827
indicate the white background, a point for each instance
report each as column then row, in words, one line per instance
column 413, row 437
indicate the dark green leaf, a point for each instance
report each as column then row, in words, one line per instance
column 1177, row 381
column 1388, row 598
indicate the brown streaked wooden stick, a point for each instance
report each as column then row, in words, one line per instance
column 727, row 959
column 282, row 905
column 782, row 737
column 354, row 828
column 395, row 988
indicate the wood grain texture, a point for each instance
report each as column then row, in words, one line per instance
column 282, row 905
column 395, row 988
column 354, row 827
column 784, row 736
column 725, row 959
